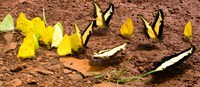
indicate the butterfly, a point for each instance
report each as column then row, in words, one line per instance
column 47, row 35
column 168, row 61
column 109, row 52
column 155, row 31
column 102, row 18
column 75, row 42
column 7, row 24
column 23, row 24
column 174, row 59
column 84, row 38
column 38, row 26
column 64, row 47
column 28, row 47
column 127, row 28
column 57, row 35
column 188, row 30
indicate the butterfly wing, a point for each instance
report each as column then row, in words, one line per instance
column 110, row 52
column 174, row 59
column 23, row 24
column 108, row 14
column 126, row 29
column 188, row 30
column 38, row 26
column 78, row 32
column 74, row 42
column 28, row 47
column 57, row 35
column 7, row 24
column 98, row 15
column 158, row 24
column 64, row 48
column 150, row 33
column 46, row 35
column 86, row 34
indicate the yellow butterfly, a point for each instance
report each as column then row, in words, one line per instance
column 46, row 35
column 102, row 18
column 28, row 47
column 57, row 35
column 84, row 38
column 7, row 24
column 127, row 28
column 154, row 32
column 38, row 26
column 64, row 48
column 24, row 24
column 75, row 42
column 188, row 30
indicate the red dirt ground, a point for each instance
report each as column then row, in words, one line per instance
column 139, row 56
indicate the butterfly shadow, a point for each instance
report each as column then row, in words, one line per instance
column 147, row 47
column 100, row 32
column 169, row 73
column 186, row 40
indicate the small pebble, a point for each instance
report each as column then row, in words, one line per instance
column 16, row 82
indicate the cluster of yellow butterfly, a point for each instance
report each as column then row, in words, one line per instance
column 37, row 32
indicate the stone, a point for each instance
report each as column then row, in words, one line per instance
column 45, row 72
column 75, row 76
column 16, row 82
column 66, row 71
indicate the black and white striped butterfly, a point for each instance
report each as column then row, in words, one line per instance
column 155, row 31
column 109, row 52
column 102, row 19
column 174, row 59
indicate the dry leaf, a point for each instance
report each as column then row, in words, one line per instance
column 9, row 37
column 10, row 46
column 81, row 65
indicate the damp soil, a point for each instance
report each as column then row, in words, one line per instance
column 138, row 58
